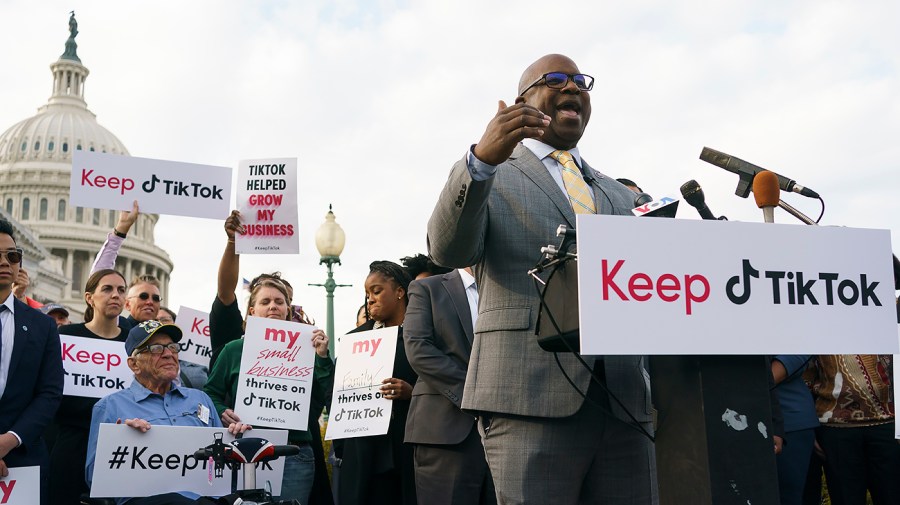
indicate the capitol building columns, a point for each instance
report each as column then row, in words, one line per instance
column 61, row 241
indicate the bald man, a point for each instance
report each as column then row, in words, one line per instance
column 503, row 201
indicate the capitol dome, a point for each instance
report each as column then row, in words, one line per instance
column 35, row 171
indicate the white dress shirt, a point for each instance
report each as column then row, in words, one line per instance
column 471, row 293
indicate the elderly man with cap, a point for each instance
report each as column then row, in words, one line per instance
column 58, row 312
column 152, row 349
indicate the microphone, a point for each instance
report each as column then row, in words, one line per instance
column 641, row 199
column 746, row 171
column 693, row 195
column 664, row 207
column 766, row 193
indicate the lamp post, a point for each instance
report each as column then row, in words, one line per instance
column 330, row 243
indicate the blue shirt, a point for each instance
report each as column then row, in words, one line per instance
column 179, row 407
column 797, row 404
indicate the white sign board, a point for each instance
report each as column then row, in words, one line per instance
column 721, row 287
column 195, row 344
column 21, row 487
column 112, row 181
column 267, row 200
column 357, row 408
column 276, row 377
column 94, row 368
column 131, row 463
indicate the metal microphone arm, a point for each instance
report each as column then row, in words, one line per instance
column 796, row 213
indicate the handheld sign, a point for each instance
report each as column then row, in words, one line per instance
column 94, row 368
column 267, row 200
column 276, row 374
column 21, row 487
column 131, row 463
column 112, row 181
column 195, row 345
column 721, row 287
column 357, row 408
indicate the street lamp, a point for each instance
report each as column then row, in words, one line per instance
column 330, row 243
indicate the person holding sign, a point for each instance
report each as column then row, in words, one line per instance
column 153, row 398
column 269, row 297
column 379, row 469
column 31, row 372
column 104, row 294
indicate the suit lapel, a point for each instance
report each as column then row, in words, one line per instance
column 454, row 286
column 525, row 160
column 20, row 341
column 601, row 201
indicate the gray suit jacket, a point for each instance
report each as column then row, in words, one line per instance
column 499, row 225
column 437, row 331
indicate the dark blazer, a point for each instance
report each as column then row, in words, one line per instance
column 34, row 386
column 437, row 332
column 499, row 226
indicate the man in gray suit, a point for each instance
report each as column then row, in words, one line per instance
column 437, row 331
column 502, row 202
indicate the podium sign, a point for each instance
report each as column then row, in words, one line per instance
column 717, row 287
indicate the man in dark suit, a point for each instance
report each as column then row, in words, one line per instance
column 31, row 372
column 502, row 202
column 438, row 333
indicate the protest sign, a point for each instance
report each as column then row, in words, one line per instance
column 195, row 344
column 275, row 383
column 357, row 408
column 132, row 463
column 112, row 181
column 94, row 367
column 733, row 288
column 21, row 487
column 267, row 200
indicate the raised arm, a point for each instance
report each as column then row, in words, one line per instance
column 458, row 224
column 230, row 264
column 106, row 257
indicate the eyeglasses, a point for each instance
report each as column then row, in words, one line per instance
column 147, row 296
column 13, row 256
column 558, row 80
column 158, row 348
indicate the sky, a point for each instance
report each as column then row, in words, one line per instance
column 377, row 100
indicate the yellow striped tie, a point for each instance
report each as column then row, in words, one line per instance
column 580, row 195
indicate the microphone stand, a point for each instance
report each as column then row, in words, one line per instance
column 796, row 213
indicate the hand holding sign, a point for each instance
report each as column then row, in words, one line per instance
column 127, row 219
column 233, row 225
column 396, row 389
column 320, row 342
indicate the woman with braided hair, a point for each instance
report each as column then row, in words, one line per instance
column 379, row 470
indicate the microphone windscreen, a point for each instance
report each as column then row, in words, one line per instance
column 693, row 193
column 641, row 199
column 766, row 190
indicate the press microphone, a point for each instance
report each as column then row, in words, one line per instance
column 641, row 199
column 746, row 171
column 693, row 195
column 664, row 207
column 766, row 193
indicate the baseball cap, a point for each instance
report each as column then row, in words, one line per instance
column 140, row 334
column 54, row 307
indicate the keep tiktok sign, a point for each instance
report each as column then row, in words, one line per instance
column 721, row 287
column 276, row 374
column 112, row 181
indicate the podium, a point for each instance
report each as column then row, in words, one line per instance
column 706, row 452
column 705, row 300
column 714, row 442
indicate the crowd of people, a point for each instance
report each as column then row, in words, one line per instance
column 481, row 414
